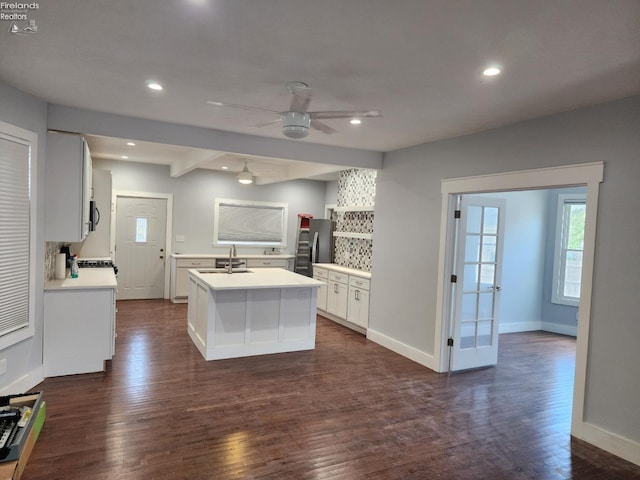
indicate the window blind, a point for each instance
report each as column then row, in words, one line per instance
column 14, row 234
column 250, row 223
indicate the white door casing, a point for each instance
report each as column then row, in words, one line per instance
column 588, row 174
column 141, row 252
column 478, row 271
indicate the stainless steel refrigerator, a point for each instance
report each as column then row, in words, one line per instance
column 321, row 242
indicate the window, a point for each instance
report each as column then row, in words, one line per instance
column 250, row 223
column 567, row 268
column 17, row 234
column 141, row 230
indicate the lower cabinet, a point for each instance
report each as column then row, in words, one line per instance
column 79, row 330
column 181, row 275
column 337, row 294
column 322, row 275
column 267, row 263
column 345, row 298
column 358, row 304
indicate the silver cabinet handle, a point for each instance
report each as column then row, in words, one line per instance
column 335, row 288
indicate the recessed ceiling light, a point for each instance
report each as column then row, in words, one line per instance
column 154, row 86
column 124, row 157
column 224, row 167
column 215, row 103
column 355, row 121
column 131, row 144
column 492, row 71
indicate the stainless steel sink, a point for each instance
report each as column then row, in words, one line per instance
column 223, row 270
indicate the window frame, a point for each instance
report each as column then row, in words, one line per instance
column 29, row 139
column 283, row 208
column 559, row 265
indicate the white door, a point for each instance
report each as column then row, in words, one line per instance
column 478, row 268
column 140, row 255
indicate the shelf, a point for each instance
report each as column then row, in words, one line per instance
column 366, row 236
column 361, row 208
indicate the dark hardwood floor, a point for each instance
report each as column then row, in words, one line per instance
column 349, row 409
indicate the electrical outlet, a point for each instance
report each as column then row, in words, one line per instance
column 3, row 366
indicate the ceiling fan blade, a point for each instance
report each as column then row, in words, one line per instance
column 323, row 127
column 346, row 114
column 237, row 105
column 270, row 122
column 301, row 99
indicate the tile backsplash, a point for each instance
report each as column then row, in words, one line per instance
column 50, row 251
column 356, row 188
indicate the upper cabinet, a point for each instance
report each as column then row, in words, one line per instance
column 68, row 187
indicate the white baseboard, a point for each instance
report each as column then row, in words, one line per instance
column 571, row 330
column 620, row 446
column 403, row 349
column 516, row 327
column 24, row 383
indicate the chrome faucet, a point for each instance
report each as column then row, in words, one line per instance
column 232, row 255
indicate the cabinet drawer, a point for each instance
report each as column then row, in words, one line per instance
column 267, row 262
column 195, row 262
column 320, row 273
column 359, row 282
column 338, row 277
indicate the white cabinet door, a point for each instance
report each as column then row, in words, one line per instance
column 358, row 307
column 78, row 330
column 337, row 299
column 68, row 187
column 267, row 263
column 180, row 287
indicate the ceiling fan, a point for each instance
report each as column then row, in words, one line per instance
column 297, row 120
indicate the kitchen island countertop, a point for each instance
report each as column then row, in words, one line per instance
column 254, row 279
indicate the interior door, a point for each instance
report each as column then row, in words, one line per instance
column 478, row 268
column 141, row 225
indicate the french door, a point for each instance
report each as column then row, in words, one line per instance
column 478, row 272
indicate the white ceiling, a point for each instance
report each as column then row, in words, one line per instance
column 418, row 61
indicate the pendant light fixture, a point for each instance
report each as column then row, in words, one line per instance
column 245, row 176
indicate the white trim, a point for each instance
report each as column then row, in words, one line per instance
column 24, row 383
column 520, row 327
column 589, row 174
column 618, row 445
column 403, row 349
column 169, row 228
column 328, row 209
column 562, row 199
column 571, row 330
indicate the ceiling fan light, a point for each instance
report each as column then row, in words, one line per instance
column 296, row 124
column 245, row 177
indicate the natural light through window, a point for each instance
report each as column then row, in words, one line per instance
column 569, row 246
column 141, row 230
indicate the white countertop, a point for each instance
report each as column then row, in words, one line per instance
column 87, row 278
column 345, row 270
column 254, row 279
column 222, row 255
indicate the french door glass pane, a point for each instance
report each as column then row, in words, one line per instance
column 489, row 248
column 485, row 305
column 470, row 283
column 469, row 306
column 472, row 248
column 487, row 275
column 484, row 333
column 490, row 223
column 468, row 335
column 474, row 219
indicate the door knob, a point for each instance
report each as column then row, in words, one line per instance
column 497, row 288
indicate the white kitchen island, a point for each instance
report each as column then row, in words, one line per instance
column 251, row 312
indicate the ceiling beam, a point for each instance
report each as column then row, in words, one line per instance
column 186, row 165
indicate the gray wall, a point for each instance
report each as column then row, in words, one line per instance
column 407, row 220
column 194, row 195
column 25, row 111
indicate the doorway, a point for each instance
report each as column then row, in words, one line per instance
column 588, row 175
column 141, row 242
